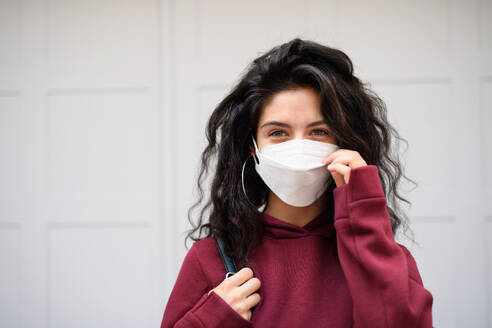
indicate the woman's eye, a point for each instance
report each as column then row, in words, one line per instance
column 320, row 132
column 277, row 133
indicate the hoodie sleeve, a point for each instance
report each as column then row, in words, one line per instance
column 382, row 276
column 189, row 304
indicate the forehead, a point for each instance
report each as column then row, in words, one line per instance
column 298, row 105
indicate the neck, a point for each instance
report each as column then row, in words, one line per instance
column 299, row 216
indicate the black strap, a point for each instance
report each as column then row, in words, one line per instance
column 229, row 264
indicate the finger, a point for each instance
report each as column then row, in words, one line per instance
column 252, row 300
column 241, row 276
column 346, row 159
column 333, row 155
column 350, row 158
column 337, row 155
column 339, row 178
column 250, row 286
column 341, row 169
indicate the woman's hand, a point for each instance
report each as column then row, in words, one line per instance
column 340, row 163
column 237, row 291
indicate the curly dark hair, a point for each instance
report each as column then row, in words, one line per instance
column 354, row 113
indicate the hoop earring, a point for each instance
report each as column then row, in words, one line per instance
column 242, row 179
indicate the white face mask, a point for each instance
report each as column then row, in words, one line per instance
column 294, row 169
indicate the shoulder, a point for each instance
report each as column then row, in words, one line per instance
column 204, row 243
column 198, row 255
column 208, row 257
column 413, row 271
column 205, row 249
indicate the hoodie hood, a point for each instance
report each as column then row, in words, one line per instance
column 321, row 225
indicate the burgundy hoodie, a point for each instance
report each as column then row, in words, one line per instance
column 375, row 283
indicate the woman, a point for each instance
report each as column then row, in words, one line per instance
column 302, row 159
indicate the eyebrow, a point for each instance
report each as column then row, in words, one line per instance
column 277, row 123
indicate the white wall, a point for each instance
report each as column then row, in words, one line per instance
column 102, row 110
